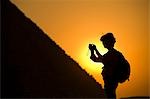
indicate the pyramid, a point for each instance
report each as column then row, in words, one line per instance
column 34, row 66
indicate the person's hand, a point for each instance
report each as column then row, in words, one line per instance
column 90, row 46
column 94, row 46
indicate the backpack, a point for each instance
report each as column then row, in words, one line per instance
column 123, row 70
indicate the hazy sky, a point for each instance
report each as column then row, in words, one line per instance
column 73, row 24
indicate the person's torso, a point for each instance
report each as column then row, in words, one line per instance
column 111, row 62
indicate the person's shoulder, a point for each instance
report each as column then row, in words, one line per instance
column 119, row 54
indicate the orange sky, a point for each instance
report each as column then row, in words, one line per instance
column 73, row 24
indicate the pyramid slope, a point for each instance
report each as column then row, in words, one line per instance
column 33, row 65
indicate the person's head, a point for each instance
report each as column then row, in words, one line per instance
column 108, row 40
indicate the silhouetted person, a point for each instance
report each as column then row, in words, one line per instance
column 110, row 61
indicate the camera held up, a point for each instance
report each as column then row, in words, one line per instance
column 92, row 47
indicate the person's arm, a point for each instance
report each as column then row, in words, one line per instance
column 98, row 54
column 93, row 57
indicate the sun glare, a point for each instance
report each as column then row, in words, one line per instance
column 91, row 67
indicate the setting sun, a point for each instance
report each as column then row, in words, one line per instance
column 74, row 24
column 87, row 63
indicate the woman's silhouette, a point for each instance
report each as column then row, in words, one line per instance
column 110, row 61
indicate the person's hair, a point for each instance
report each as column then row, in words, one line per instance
column 108, row 38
